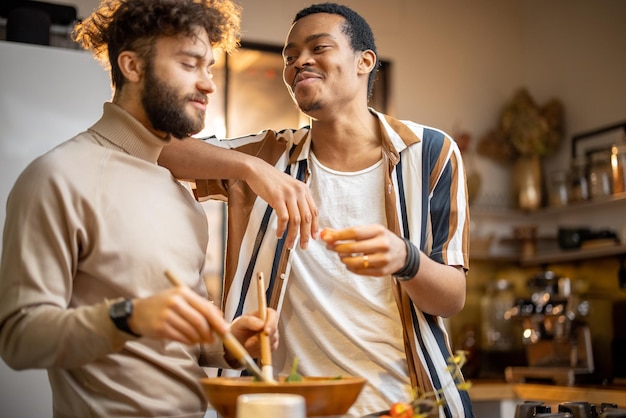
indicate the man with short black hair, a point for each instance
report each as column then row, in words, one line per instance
column 369, row 298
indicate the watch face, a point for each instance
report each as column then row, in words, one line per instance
column 121, row 309
column 119, row 313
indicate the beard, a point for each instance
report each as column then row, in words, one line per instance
column 307, row 107
column 306, row 102
column 166, row 109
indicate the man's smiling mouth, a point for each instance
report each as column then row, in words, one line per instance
column 304, row 75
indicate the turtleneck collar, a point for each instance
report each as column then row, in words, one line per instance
column 124, row 131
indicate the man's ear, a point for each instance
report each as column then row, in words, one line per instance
column 367, row 61
column 131, row 66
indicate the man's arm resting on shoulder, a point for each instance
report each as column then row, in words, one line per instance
column 192, row 158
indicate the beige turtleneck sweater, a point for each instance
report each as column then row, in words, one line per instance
column 92, row 221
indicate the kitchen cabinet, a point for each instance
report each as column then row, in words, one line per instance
column 608, row 212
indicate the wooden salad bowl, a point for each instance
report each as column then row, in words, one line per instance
column 323, row 396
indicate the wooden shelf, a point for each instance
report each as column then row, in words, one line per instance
column 613, row 201
column 550, row 257
column 552, row 254
column 573, row 255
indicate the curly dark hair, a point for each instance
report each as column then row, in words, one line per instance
column 355, row 28
column 134, row 25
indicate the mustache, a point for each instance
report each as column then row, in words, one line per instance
column 297, row 77
column 198, row 97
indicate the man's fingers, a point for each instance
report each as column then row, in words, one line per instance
column 282, row 219
column 314, row 220
column 299, row 219
column 305, row 225
column 182, row 330
column 198, row 317
column 348, row 248
column 295, row 220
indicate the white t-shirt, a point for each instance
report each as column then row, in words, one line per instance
column 338, row 322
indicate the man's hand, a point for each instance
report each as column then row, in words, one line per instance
column 178, row 314
column 290, row 199
column 247, row 327
column 182, row 315
column 373, row 250
column 370, row 250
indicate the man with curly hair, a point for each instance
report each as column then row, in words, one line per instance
column 92, row 226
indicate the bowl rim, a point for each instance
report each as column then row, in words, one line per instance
column 306, row 381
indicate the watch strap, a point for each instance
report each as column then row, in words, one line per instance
column 119, row 312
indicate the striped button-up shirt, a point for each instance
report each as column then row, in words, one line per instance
column 425, row 201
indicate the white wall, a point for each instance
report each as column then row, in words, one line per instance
column 48, row 95
column 576, row 53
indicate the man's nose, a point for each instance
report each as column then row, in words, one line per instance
column 304, row 59
column 206, row 83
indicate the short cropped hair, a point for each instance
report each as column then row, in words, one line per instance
column 355, row 28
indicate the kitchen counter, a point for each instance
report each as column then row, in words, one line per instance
column 499, row 399
column 519, row 392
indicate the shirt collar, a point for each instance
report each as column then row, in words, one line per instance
column 396, row 137
column 124, row 131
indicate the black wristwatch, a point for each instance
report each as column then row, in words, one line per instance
column 119, row 313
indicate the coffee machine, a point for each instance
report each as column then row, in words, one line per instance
column 557, row 341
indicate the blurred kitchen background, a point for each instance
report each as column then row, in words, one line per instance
column 533, row 90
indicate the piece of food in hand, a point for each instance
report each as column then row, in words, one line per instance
column 331, row 235
column 401, row 410
column 328, row 235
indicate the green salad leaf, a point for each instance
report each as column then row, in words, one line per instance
column 294, row 376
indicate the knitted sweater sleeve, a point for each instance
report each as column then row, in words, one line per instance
column 41, row 244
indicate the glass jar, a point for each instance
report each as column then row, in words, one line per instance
column 579, row 185
column 558, row 188
column 497, row 331
column 527, row 182
column 618, row 168
column 600, row 174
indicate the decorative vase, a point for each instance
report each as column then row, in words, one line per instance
column 527, row 182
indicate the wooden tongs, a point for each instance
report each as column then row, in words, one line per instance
column 266, row 351
column 231, row 344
